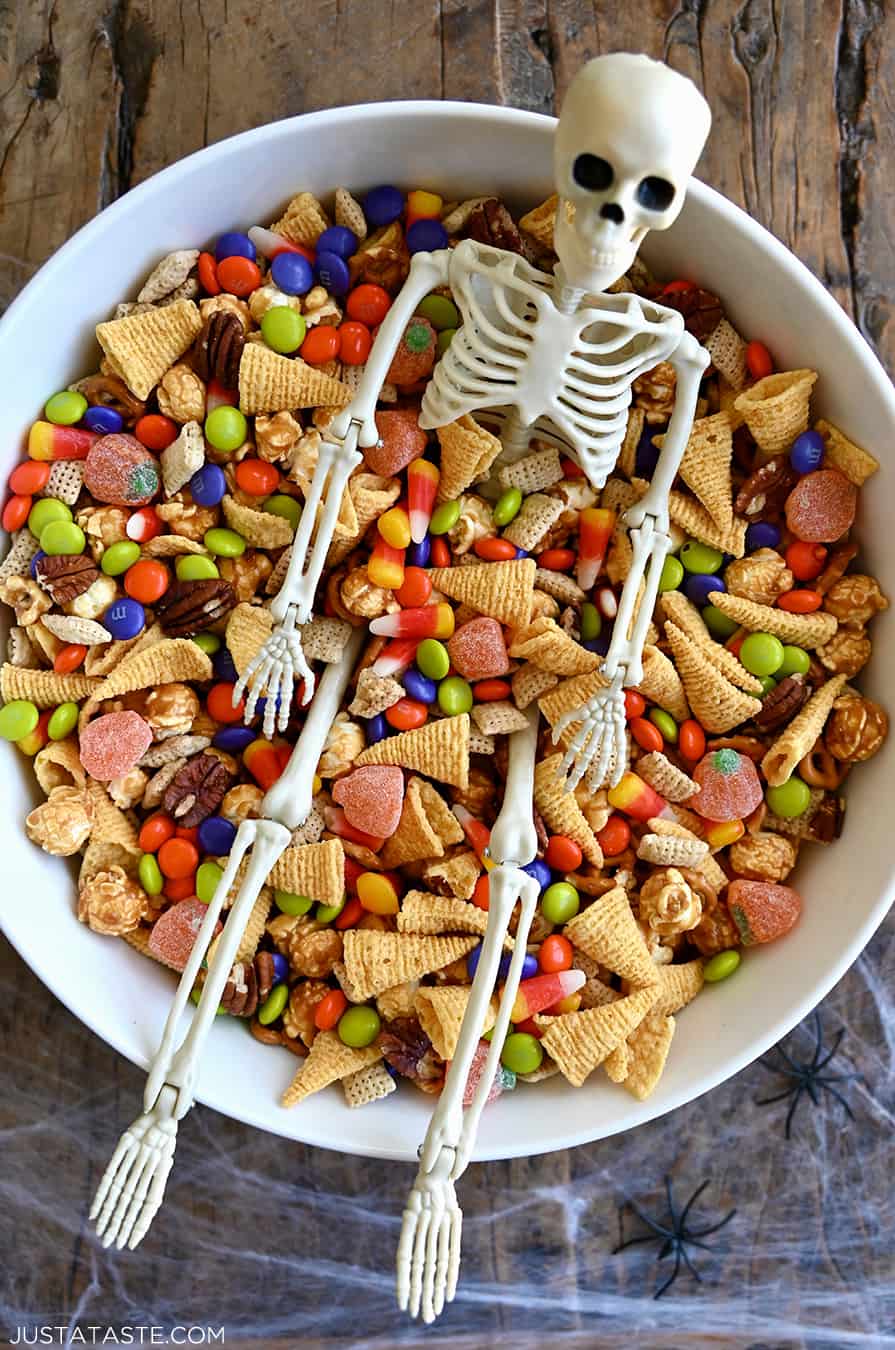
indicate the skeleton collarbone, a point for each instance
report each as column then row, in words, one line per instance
column 567, row 376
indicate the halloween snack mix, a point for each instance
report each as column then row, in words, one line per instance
column 151, row 526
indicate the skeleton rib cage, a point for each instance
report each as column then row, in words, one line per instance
column 567, row 376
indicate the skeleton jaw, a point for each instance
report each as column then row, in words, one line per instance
column 592, row 254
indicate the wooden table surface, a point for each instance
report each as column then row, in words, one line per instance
column 96, row 95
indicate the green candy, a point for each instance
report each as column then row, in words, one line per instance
column 287, row 903
column 440, row 311
column 454, row 696
column 718, row 623
column 796, row 661
column 700, row 559
column 767, row 684
column 761, row 654
column 193, row 567
column 591, row 622
column 283, row 329
column 521, row 1053
column 507, row 506
column 282, row 505
column 444, row 517
column 790, row 799
column 44, row 512
column 720, row 966
column 65, row 408
column 63, row 720
column 207, row 642
column 359, row 1026
column 119, row 557
column 225, row 428
column 560, row 902
column 18, row 719
column 672, row 574
column 150, row 874
column 62, row 537
column 326, row 913
column 224, row 543
column 196, row 994
column 665, row 722
column 432, row 659
column 273, row 1005
column 444, row 340
column 208, row 874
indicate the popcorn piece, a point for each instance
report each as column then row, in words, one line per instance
column 26, row 598
column 61, row 824
column 668, row 905
column 111, row 903
column 763, row 856
column 344, row 744
column 141, row 347
column 476, row 521
column 760, row 577
column 96, row 599
column 855, row 600
column 372, row 798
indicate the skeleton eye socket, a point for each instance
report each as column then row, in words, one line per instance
column 656, row 194
column 591, row 172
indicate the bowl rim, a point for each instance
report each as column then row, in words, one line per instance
column 731, row 216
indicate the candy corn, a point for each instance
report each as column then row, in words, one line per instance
column 477, row 835
column 47, row 441
column 422, row 485
column 720, row 833
column 386, row 565
column 269, row 243
column 595, row 526
column 395, row 657
column 263, row 761
column 216, row 396
column 542, row 991
column 423, row 622
column 394, row 527
column 636, row 798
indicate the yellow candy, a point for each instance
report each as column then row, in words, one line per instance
column 376, row 893
column 422, row 203
column 724, row 833
column 394, row 526
column 566, row 1005
column 29, row 745
column 317, row 784
column 385, row 572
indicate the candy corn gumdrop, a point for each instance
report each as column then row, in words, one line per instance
column 175, row 932
column 372, row 797
column 762, row 910
column 478, row 651
column 821, row 506
column 119, row 470
column 729, row 786
column 403, row 440
column 504, row 1079
column 111, row 745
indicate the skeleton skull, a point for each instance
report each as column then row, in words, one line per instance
column 628, row 139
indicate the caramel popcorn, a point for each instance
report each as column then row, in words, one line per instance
column 26, row 598
column 229, row 304
column 363, row 597
column 668, row 905
column 847, row 652
column 298, row 1018
column 475, row 522
column 103, row 525
column 62, row 823
column 181, row 394
column 128, row 791
column 170, row 709
column 761, row 576
column 311, row 950
column 320, row 307
column 855, row 600
column 270, row 297
column 346, row 740
column 110, row 902
column 95, row 600
column 856, row 729
column 276, row 436
column 595, row 806
column 654, row 393
column 301, row 459
column 660, row 955
column 247, row 573
column 764, row 857
column 242, row 802
column 480, row 796
column 184, row 516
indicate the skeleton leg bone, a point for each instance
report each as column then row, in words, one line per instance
column 429, row 1250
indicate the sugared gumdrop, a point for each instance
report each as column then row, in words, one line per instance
column 119, row 470
column 403, row 440
column 729, row 786
column 478, row 651
column 111, row 745
column 416, row 353
column 504, row 1079
column 372, row 797
column 762, row 910
column 821, row 506
column 175, row 932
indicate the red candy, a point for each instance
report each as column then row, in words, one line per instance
column 806, row 561
column 321, row 344
column 491, row 691
column 646, row 733
column 416, row 353
column 111, row 745
column 29, row 477
column 729, row 786
column 238, row 275
column 174, row 933
column 555, row 954
column 563, row 854
column 369, row 303
column 372, row 797
column 762, row 910
column 478, row 651
column 16, row 512
column 759, row 361
column 481, row 896
column 441, row 552
column 821, row 506
column 257, row 477
column 68, row 658
column 403, row 440
column 155, row 431
column 614, row 837
column 354, row 343
column 800, row 602
column 119, row 470
column 691, row 740
column 494, row 550
column 557, row 559
column 208, row 274
column 635, row 704
column 407, row 714
column 219, row 703
column 476, row 1069
column 147, row 580
column 415, row 589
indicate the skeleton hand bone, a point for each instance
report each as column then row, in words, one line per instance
column 599, row 749
column 274, row 668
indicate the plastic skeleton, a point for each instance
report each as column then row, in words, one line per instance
column 551, row 357
column 133, row 1185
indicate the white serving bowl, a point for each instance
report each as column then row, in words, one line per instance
column 46, row 340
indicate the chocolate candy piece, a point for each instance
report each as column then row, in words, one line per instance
column 119, row 470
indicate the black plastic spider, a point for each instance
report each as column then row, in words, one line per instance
column 673, row 1234
column 807, row 1077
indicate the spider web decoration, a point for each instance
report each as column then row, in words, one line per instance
column 806, row 1076
column 673, row 1233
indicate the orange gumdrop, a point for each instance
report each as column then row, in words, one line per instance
column 372, row 797
column 821, row 506
column 762, row 910
column 729, row 786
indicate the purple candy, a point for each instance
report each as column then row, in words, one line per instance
column 472, row 961
column 280, row 967
column 647, row 455
column 216, row 835
column 807, row 452
column 762, row 535
column 233, row 738
column 34, row 561
column 292, row 273
column 337, row 239
column 425, row 236
column 376, row 729
column 699, row 587
column 223, row 667
column 208, row 485
column 522, row 553
column 332, row 272
column 418, row 555
column 105, row 421
column 420, row 687
column 540, row 871
column 529, row 966
column 125, row 618
column 383, row 204
column 234, row 244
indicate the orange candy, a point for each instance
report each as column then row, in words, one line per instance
column 208, row 274
column 557, row 559
column 257, row 477
column 491, row 691
column 614, row 837
column 354, row 342
column 563, row 854
column 759, row 361
column 238, row 275
column 16, row 512
column 178, row 858
column 155, row 831
column 646, row 733
column 415, row 588
column 377, row 893
column 147, row 581
column 491, row 550
column 321, row 345
column 441, row 552
column 481, row 896
column 800, row 602
column 330, row 1009
column 635, row 704
column 69, row 658
column 351, row 913
column 219, row 703
column 805, row 560
column 155, row 431
column 691, row 740
column 555, row 954
column 180, row 888
column 368, row 303
column 406, row 714
column 29, row 477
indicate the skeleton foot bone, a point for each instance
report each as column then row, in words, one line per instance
column 599, row 749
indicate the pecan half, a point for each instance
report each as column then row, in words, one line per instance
column 218, row 349
column 111, row 392
column 491, row 223
column 249, row 984
column 190, row 606
column 65, row 576
column 197, row 790
column 701, row 310
column 408, row 1050
column 765, row 490
column 826, row 822
column 782, row 703
column 835, row 569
